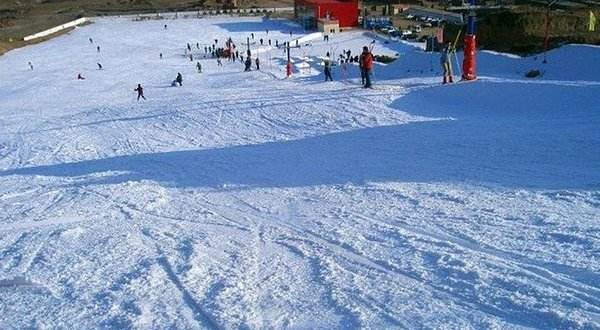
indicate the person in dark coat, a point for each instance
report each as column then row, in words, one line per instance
column 179, row 79
column 80, row 77
column 327, row 68
column 99, row 66
column 257, row 61
column 140, row 92
column 362, row 73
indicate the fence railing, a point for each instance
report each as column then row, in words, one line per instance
column 56, row 29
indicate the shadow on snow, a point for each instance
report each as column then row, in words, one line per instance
column 509, row 136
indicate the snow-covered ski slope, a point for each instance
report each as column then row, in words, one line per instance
column 246, row 200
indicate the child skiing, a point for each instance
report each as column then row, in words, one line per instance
column 327, row 65
column 445, row 62
column 248, row 64
column 140, row 92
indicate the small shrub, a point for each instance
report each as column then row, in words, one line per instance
column 384, row 59
column 533, row 73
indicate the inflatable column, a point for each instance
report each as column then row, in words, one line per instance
column 470, row 48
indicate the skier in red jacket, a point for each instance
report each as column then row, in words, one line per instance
column 366, row 63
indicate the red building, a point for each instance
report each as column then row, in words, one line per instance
column 344, row 11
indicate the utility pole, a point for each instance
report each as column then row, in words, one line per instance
column 289, row 61
column 547, row 32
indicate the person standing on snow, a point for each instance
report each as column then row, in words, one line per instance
column 248, row 64
column 98, row 49
column 366, row 60
column 179, row 79
column 80, row 77
column 327, row 65
column 362, row 73
column 199, row 67
column 99, row 66
column 140, row 92
column 257, row 61
column 30, row 66
column 445, row 62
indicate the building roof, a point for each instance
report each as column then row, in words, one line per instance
column 329, row 21
column 317, row 2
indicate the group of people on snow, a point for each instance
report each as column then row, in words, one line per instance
column 365, row 61
column 365, row 64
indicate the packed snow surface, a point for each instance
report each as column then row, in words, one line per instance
column 247, row 200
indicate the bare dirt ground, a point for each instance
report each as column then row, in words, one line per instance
column 21, row 18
